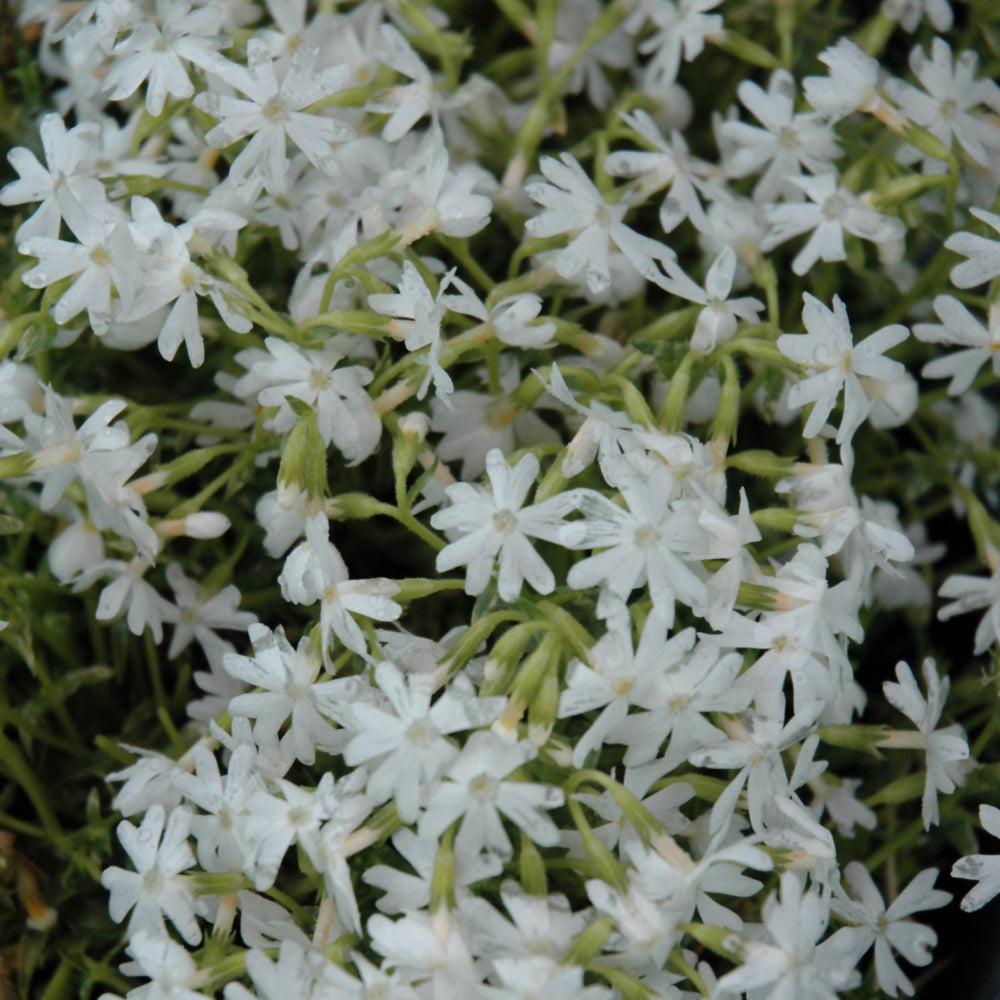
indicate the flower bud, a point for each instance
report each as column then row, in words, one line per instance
column 303, row 461
column 589, row 943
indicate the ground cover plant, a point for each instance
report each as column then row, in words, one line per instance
column 498, row 499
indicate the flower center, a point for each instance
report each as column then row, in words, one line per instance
column 501, row 415
column 788, row 137
column 505, row 522
column 275, row 112
column 833, row 207
column 420, row 735
column 646, row 537
column 483, row 788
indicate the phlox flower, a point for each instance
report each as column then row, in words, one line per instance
column 495, row 527
column 830, row 212
column 418, row 315
column 156, row 888
column 717, row 322
column 200, row 615
column 948, row 108
column 681, row 27
column 174, row 280
column 828, row 350
column 946, row 749
column 474, row 423
column 649, row 541
column 523, row 977
column 68, row 163
column 288, row 689
column 274, row 114
column 315, row 571
column 169, row 967
column 344, row 412
column 667, row 165
column 156, row 50
column 851, row 86
column 431, row 947
column 959, row 328
column 669, row 875
column 983, row 869
column 300, row 973
column 224, row 801
column 573, row 204
column 788, row 141
column 473, row 789
column 791, row 961
column 983, row 254
column 972, row 593
column 102, row 258
column 539, row 925
column 405, row 892
column 889, row 929
column 404, row 739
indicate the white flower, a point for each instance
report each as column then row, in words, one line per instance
column 305, row 975
column 787, row 142
column 791, row 962
column 983, row 254
column 514, row 322
column 315, row 571
column 156, row 888
column 525, row 977
column 68, row 156
column 273, row 114
column 170, row 968
column 960, row 328
column 419, row 315
column 539, row 925
column 649, row 541
column 474, row 423
column 717, row 322
column 668, row 165
column 681, row 28
column 911, row 12
column 473, row 789
column 405, row 893
column 495, row 527
column 891, row 928
column 755, row 748
column 101, row 258
column 947, row 109
column 172, row 277
column 828, row 348
column 972, row 593
column 404, row 742
column 344, row 412
column 605, row 434
column 224, row 801
column 574, row 205
column 946, row 748
column 405, row 105
column 983, row 869
column 200, row 615
column 157, row 48
column 831, row 211
column 852, row 83
column 286, row 680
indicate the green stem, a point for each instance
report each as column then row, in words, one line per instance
column 20, row 772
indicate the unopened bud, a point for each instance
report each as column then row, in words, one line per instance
column 303, row 462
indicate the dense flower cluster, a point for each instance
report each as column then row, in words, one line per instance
column 568, row 470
